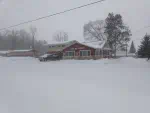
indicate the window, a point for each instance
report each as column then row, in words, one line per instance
column 106, row 52
column 70, row 53
column 98, row 52
column 63, row 45
column 85, row 53
column 101, row 52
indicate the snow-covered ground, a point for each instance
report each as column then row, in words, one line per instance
column 101, row 86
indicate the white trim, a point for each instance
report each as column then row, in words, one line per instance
column 85, row 50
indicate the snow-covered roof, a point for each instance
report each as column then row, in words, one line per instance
column 94, row 44
column 60, row 46
column 4, row 52
column 60, row 43
column 97, row 44
column 20, row 50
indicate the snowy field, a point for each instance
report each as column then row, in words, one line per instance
column 102, row 86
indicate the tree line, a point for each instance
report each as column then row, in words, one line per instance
column 21, row 39
column 111, row 30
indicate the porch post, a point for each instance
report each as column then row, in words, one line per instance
column 102, row 53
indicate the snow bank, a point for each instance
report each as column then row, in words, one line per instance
column 101, row 86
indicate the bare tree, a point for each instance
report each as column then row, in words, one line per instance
column 25, row 36
column 94, row 30
column 5, row 42
column 60, row 36
column 13, row 35
column 33, row 31
column 20, row 39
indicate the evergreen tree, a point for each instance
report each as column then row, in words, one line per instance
column 118, row 34
column 149, row 49
column 132, row 48
column 144, row 48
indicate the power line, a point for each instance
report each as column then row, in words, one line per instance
column 142, row 29
column 30, row 21
column 139, row 31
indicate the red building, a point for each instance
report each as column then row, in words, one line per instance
column 76, row 50
column 22, row 53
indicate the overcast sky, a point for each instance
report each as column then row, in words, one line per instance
column 136, row 14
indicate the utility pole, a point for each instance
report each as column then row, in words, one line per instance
column 33, row 47
column 33, row 33
column 33, row 43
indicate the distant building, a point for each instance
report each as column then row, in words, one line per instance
column 77, row 50
column 19, row 53
column 3, row 53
